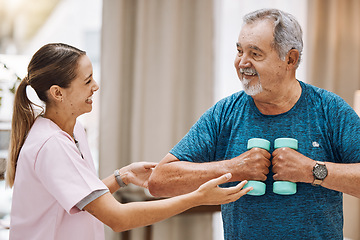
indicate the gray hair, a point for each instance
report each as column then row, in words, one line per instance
column 287, row 30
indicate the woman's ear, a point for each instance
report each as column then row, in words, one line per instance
column 56, row 93
column 293, row 58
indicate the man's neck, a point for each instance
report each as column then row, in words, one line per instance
column 279, row 101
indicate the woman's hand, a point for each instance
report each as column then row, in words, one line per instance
column 210, row 193
column 122, row 217
column 137, row 173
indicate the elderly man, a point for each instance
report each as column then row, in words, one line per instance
column 273, row 104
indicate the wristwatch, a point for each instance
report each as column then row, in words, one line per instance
column 119, row 179
column 320, row 172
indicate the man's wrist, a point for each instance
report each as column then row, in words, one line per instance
column 320, row 172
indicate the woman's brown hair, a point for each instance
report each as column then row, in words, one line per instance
column 52, row 64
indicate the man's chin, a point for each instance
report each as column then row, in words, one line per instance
column 253, row 90
column 245, row 82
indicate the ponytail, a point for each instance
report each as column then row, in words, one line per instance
column 52, row 64
column 22, row 120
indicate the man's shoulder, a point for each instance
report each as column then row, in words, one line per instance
column 230, row 104
column 233, row 99
column 319, row 95
column 314, row 90
column 325, row 102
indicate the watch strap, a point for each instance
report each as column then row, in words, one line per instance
column 316, row 182
column 118, row 178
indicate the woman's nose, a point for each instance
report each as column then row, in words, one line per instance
column 96, row 86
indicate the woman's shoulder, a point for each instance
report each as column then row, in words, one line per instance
column 42, row 130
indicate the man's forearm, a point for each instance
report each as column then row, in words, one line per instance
column 179, row 177
column 343, row 178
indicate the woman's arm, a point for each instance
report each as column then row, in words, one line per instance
column 122, row 217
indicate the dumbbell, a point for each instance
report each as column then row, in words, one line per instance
column 258, row 186
column 285, row 187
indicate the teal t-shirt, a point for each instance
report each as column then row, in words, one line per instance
column 327, row 129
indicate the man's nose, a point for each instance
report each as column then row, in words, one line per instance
column 244, row 62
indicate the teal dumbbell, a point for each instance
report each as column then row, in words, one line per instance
column 285, row 187
column 258, row 186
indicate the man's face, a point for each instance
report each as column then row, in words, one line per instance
column 257, row 63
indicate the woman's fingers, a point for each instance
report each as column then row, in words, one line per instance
column 213, row 194
column 238, row 187
column 234, row 193
column 148, row 165
column 220, row 180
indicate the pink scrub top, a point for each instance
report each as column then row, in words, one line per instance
column 51, row 178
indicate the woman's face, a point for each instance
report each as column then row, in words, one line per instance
column 78, row 97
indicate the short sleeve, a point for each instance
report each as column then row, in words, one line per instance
column 345, row 130
column 89, row 198
column 198, row 144
column 64, row 173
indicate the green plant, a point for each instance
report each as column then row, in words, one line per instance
column 17, row 80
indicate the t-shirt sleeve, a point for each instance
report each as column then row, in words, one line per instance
column 198, row 145
column 64, row 173
column 345, row 125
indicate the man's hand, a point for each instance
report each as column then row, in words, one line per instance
column 290, row 165
column 251, row 165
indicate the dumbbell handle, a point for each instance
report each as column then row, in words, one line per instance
column 285, row 187
column 258, row 186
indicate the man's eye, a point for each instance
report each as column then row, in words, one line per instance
column 89, row 81
column 256, row 55
column 240, row 52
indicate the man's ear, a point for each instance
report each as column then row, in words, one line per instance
column 56, row 93
column 292, row 58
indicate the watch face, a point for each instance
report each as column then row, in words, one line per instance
column 320, row 171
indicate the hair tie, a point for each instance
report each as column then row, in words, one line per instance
column 26, row 79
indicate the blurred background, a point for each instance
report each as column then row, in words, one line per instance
column 160, row 64
column 25, row 26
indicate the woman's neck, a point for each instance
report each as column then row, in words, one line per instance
column 65, row 122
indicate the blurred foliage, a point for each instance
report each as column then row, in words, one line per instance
column 16, row 77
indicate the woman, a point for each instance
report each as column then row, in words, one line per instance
column 57, row 194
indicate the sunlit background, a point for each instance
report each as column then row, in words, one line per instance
column 25, row 26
